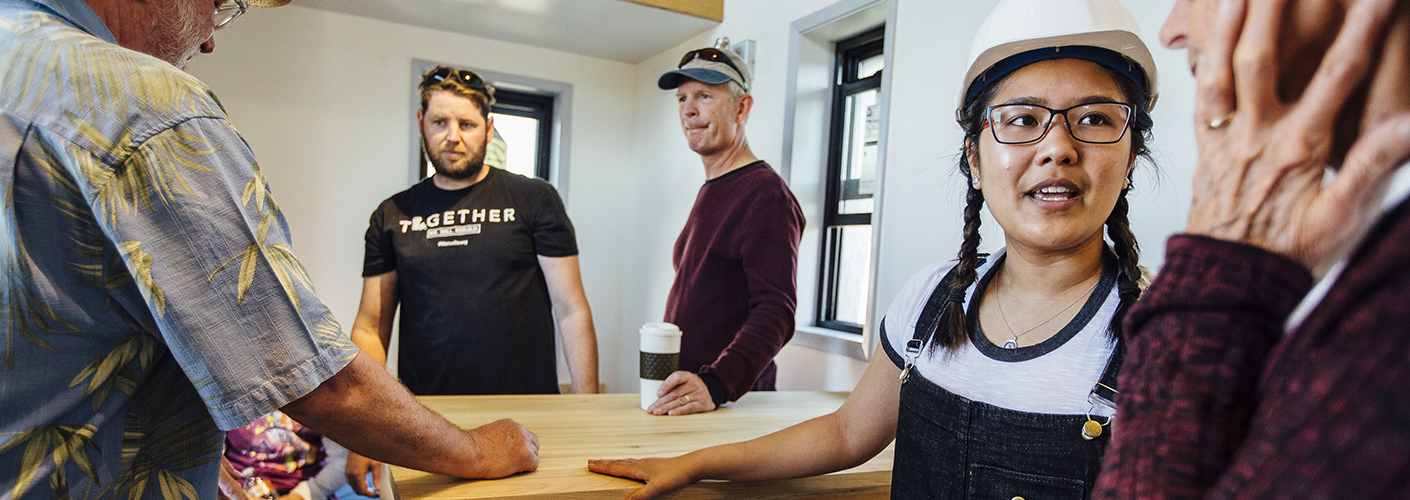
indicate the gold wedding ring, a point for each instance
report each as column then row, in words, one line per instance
column 1220, row 122
column 686, row 398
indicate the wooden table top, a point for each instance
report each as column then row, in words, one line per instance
column 574, row 428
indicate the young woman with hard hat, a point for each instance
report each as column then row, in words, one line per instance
column 998, row 377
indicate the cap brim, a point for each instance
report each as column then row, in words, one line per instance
column 672, row 79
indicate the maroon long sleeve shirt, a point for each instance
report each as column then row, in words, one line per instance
column 1217, row 402
column 736, row 279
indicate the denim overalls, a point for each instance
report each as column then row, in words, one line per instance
column 950, row 447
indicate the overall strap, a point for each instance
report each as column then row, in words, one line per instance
column 929, row 321
column 1106, row 389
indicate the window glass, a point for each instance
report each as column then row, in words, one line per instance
column 521, row 137
column 853, row 273
column 858, row 175
column 869, row 66
column 851, row 181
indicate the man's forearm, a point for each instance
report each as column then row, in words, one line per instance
column 370, row 344
column 369, row 412
column 580, row 347
column 763, row 335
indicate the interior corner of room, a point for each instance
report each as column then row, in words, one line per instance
column 324, row 91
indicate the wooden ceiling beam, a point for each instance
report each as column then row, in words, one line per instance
column 713, row 10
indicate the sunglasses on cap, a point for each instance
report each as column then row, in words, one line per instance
column 466, row 77
column 709, row 54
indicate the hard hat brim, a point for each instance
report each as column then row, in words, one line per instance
column 1122, row 42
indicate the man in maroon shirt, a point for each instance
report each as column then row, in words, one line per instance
column 736, row 259
column 1243, row 379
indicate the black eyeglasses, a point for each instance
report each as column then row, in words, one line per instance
column 469, row 78
column 228, row 11
column 1092, row 123
column 709, row 54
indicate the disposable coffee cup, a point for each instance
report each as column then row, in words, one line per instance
column 660, row 355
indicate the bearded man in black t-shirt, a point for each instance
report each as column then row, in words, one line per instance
column 480, row 260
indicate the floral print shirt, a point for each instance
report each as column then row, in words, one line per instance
column 149, row 296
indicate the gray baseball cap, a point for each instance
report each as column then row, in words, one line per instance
column 708, row 65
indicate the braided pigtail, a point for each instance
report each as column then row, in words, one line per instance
column 953, row 331
column 1118, row 226
column 1128, row 260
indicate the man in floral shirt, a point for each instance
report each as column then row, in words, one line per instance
column 149, row 296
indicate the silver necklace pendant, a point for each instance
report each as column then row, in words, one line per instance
column 1011, row 343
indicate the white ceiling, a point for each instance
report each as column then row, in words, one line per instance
column 609, row 29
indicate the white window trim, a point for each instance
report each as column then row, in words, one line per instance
column 836, row 17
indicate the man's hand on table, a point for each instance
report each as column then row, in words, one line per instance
column 682, row 393
column 356, row 470
column 503, row 448
column 661, row 475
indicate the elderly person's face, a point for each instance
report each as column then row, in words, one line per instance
column 180, row 28
column 1309, row 26
column 1307, row 30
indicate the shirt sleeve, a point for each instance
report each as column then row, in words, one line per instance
column 379, row 254
column 553, row 232
column 1198, row 341
column 900, row 321
column 769, row 238
column 210, row 252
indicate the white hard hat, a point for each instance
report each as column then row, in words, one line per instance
column 1067, row 27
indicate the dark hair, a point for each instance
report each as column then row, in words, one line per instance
column 953, row 331
column 463, row 83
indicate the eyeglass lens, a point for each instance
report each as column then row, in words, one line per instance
column 228, row 11
column 1097, row 123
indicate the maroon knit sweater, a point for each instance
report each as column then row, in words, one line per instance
column 1216, row 402
column 736, row 279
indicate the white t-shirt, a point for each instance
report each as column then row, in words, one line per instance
column 1054, row 376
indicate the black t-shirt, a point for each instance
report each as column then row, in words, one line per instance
column 475, row 312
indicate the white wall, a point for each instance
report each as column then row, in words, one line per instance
column 322, row 99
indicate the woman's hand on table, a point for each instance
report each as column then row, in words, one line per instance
column 661, row 475
column 682, row 393
column 1261, row 168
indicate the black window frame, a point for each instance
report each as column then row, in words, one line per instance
column 849, row 55
column 530, row 105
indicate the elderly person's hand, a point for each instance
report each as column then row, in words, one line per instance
column 1262, row 161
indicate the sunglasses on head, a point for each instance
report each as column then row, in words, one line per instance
column 709, row 54
column 466, row 77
